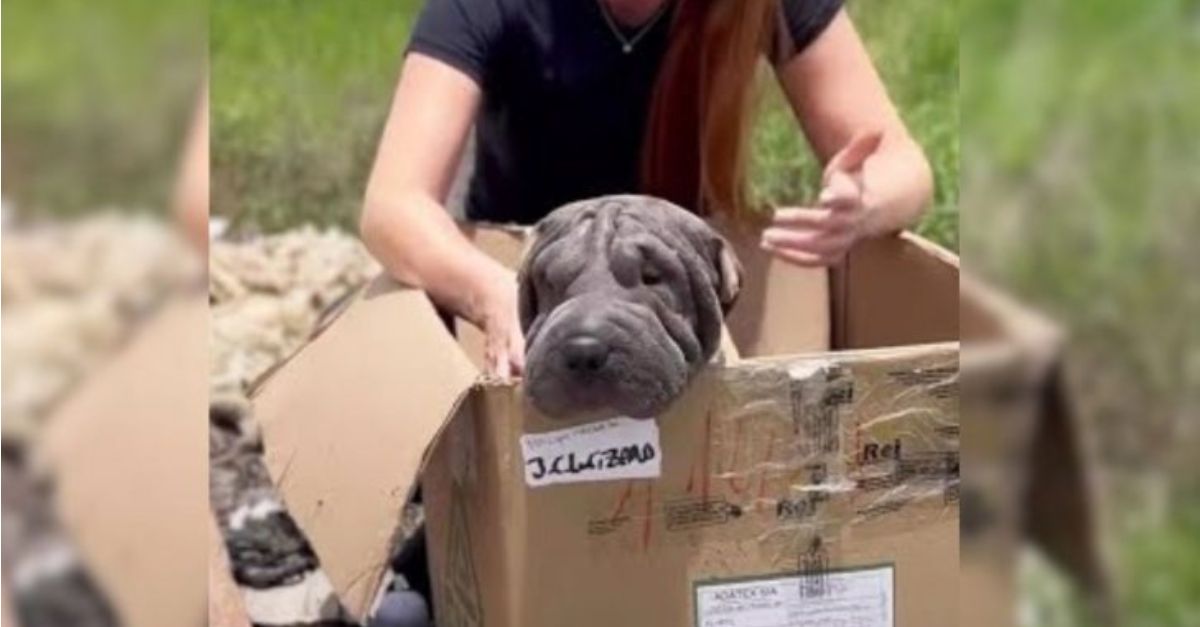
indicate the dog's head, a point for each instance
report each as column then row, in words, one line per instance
column 622, row 299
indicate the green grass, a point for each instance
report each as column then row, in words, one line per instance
column 1079, row 194
column 1082, row 183
column 301, row 88
column 1158, row 573
column 299, row 93
column 915, row 47
column 97, row 98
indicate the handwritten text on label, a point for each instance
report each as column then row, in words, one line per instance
column 618, row 448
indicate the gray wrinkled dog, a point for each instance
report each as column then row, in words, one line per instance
column 622, row 300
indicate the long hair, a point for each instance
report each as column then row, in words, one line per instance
column 696, row 147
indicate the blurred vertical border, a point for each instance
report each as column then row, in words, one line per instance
column 98, row 100
column 1080, row 196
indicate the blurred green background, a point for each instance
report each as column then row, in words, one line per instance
column 301, row 88
column 1081, row 195
column 97, row 100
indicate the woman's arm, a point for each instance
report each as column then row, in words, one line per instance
column 877, row 180
column 405, row 223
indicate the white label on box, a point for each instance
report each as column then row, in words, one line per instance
column 857, row 598
column 618, row 448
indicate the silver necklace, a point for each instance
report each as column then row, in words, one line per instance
column 629, row 43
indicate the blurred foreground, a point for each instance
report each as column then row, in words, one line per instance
column 1080, row 196
column 98, row 100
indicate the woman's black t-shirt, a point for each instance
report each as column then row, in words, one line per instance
column 564, row 106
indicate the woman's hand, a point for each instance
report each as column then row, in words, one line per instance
column 822, row 235
column 504, row 343
column 876, row 183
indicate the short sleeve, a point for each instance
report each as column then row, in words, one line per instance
column 801, row 22
column 460, row 33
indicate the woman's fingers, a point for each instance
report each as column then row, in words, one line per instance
column 802, row 258
column 498, row 364
column 802, row 218
column 852, row 157
column 832, row 223
column 807, row 241
column 516, row 356
column 505, row 357
column 840, row 195
column 821, row 236
column 841, row 191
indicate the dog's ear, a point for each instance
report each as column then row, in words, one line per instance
column 547, row 231
column 526, row 292
column 729, row 275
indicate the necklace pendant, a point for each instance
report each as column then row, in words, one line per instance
column 628, row 48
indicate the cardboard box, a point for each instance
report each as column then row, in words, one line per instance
column 1030, row 479
column 799, row 481
column 129, row 454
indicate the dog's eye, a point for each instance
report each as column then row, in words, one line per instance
column 651, row 275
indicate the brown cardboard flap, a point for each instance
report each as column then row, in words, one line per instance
column 896, row 291
column 346, row 424
column 129, row 454
column 1061, row 512
column 1029, row 466
column 505, row 244
column 989, row 317
column 782, row 309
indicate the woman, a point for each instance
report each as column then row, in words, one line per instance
column 571, row 99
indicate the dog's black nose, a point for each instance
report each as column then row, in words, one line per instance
column 584, row 353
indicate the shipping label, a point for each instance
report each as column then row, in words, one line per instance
column 609, row 450
column 849, row 598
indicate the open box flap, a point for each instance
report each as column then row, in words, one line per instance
column 347, row 423
column 895, row 291
column 1061, row 503
column 782, row 309
column 1058, row 502
column 128, row 453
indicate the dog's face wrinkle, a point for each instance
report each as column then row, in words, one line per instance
column 629, row 320
column 682, row 333
column 543, row 320
column 638, row 257
column 634, row 332
column 696, row 283
column 664, row 256
column 551, row 281
column 700, row 250
column 613, row 263
column 637, row 274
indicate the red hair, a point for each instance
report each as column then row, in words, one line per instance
column 696, row 145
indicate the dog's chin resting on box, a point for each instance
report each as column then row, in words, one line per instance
column 622, row 301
